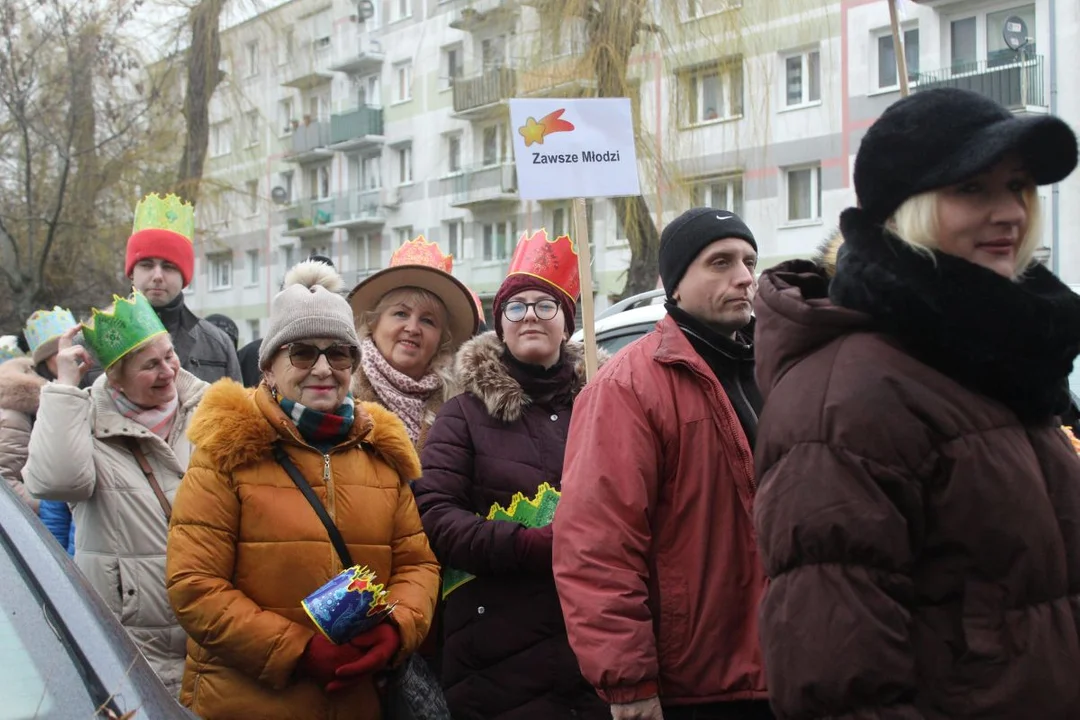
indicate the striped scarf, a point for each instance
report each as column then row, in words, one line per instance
column 157, row 420
column 321, row 430
column 401, row 395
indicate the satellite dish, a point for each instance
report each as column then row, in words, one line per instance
column 1015, row 32
column 279, row 195
column 365, row 9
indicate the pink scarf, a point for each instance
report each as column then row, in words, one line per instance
column 401, row 395
column 157, row 420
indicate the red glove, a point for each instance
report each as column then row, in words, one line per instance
column 376, row 647
column 322, row 658
column 533, row 547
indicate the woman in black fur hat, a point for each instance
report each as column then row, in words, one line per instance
column 918, row 510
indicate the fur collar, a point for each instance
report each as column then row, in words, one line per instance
column 828, row 251
column 480, row 371
column 236, row 426
column 1014, row 341
column 20, row 386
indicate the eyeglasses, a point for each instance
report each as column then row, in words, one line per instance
column 303, row 356
column 516, row 311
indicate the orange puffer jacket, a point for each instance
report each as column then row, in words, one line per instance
column 245, row 548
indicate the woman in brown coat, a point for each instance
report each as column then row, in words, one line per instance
column 919, row 506
column 245, row 547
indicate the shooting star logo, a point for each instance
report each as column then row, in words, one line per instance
column 534, row 132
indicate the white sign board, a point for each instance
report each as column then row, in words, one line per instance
column 571, row 148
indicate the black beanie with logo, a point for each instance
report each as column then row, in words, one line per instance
column 687, row 235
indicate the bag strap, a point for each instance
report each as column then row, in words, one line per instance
column 316, row 504
column 144, row 465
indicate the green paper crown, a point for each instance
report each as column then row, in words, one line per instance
column 112, row 334
column 165, row 213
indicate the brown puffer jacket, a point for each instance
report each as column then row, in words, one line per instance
column 923, row 542
column 20, row 390
column 245, row 548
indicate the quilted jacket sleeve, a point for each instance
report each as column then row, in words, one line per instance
column 461, row 538
column 14, row 440
column 835, row 532
column 199, row 565
column 414, row 583
column 602, row 539
column 60, row 463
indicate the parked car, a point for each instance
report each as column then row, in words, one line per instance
column 627, row 320
column 63, row 653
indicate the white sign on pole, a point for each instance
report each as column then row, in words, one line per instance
column 571, row 148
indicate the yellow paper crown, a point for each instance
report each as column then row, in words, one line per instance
column 112, row 334
column 165, row 213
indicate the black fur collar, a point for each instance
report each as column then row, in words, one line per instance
column 1013, row 341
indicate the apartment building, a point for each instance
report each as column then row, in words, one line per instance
column 346, row 128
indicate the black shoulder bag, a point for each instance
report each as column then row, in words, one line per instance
column 411, row 691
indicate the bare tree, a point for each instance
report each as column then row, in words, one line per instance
column 76, row 121
column 203, row 76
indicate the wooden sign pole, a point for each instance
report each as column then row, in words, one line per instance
column 581, row 238
column 898, row 49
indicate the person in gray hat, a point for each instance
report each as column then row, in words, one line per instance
column 246, row 548
column 918, row 508
column 654, row 551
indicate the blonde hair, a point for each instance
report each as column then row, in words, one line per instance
column 116, row 371
column 916, row 223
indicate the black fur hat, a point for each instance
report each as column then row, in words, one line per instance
column 943, row 136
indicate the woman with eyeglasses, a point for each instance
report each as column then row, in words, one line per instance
column 245, row 547
column 411, row 317
column 505, row 652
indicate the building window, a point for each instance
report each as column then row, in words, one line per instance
column 319, row 182
column 285, row 47
column 694, row 9
column 455, row 238
column 253, row 267
column 251, row 54
column 558, row 221
column 287, row 186
column 403, row 82
column 404, row 163
column 251, row 122
column 220, row 139
column 802, row 78
column 371, row 172
column 493, row 53
column 719, row 193
column 804, row 194
column 251, row 192
column 253, row 329
column 714, row 93
column 220, row 271
column 886, row 59
column 366, row 251
column 973, row 38
column 403, row 235
column 286, row 117
column 401, row 9
column 493, row 147
column 452, row 66
column 453, row 152
column 498, row 239
column 997, row 52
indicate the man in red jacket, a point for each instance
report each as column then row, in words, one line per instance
column 654, row 553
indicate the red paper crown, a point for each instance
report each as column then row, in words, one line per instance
column 476, row 300
column 422, row 252
column 554, row 261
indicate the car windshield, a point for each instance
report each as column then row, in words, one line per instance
column 41, row 678
column 616, row 340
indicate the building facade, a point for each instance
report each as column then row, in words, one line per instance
column 346, row 128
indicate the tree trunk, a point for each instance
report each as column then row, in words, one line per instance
column 203, row 76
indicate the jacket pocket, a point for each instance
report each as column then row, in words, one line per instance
column 983, row 619
column 127, row 580
column 673, row 633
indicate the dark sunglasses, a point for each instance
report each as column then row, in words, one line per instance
column 516, row 311
column 303, row 356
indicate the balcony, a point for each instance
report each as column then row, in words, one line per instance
column 356, row 129
column 477, row 14
column 359, row 209
column 310, row 66
column 1016, row 85
column 484, row 95
column 483, row 275
column 571, row 76
column 311, row 217
column 310, row 141
column 356, row 52
column 485, row 185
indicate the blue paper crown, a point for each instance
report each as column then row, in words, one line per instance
column 45, row 325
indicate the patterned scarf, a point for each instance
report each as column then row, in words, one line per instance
column 402, row 395
column 321, row 430
column 157, row 420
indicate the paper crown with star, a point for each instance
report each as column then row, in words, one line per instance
column 164, row 228
column 43, row 330
column 553, row 260
column 351, row 602
column 112, row 334
column 419, row 251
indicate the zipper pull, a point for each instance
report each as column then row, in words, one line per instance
column 326, row 468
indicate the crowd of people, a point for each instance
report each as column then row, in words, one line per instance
column 839, row 488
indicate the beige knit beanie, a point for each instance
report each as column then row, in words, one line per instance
column 308, row 307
